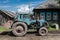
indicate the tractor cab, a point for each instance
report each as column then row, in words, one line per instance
column 30, row 19
column 27, row 18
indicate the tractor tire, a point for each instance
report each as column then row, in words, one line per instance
column 19, row 29
column 43, row 31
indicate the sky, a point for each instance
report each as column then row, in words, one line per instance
column 23, row 6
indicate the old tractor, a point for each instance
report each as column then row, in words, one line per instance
column 24, row 22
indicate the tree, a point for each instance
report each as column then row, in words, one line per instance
column 59, row 2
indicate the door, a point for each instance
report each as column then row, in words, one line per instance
column 26, row 18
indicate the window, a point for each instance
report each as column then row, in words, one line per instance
column 32, row 17
column 48, row 15
column 20, row 16
column 42, row 15
column 25, row 16
column 55, row 15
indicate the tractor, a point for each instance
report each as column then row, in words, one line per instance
column 24, row 22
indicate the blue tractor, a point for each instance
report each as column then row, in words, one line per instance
column 24, row 22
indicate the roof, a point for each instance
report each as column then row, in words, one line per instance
column 48, row 4
column 11, row 14
column 46, row 9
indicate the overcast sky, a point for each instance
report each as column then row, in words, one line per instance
column 19, row 5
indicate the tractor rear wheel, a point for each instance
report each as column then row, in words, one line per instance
column 19, row 29
column 43, row 31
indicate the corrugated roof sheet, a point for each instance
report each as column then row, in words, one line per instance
column 48, row 4
column 11, row 14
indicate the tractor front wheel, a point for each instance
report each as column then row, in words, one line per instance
column 43, row 31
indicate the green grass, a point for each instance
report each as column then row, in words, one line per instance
column 2, row 29
column 50, row 29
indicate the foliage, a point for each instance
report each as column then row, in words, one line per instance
column 50, row 28
column 59, row 1
column 2, row 29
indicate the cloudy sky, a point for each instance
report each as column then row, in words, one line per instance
column 19, row 5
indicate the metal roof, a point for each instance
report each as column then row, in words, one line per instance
column 48, row 4
column 11, row 14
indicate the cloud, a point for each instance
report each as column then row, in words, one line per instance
column 4, row 1
column 24, row 9
column 4, row 6
column 13, row 11
column 36, row 3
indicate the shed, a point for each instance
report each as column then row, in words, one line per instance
column 5, row 16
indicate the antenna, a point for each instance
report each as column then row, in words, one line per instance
column 29, row 6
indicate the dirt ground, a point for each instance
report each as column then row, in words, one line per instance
column 31, row 36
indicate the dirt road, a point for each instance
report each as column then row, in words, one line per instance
column 31, row 36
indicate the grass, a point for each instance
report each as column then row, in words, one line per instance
column 50, row 29
column 2, row 29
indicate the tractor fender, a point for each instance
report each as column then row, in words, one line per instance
column 18, row 21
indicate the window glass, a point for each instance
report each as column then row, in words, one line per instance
column 25, row 16
column 32, row 17
column 55, row 15
column 48, row 15
column 20, row 15
column 42, row 15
